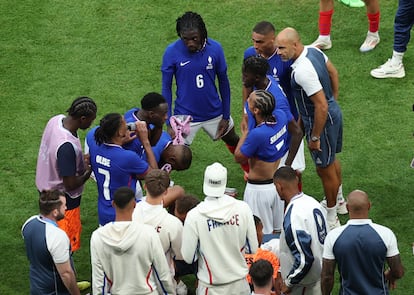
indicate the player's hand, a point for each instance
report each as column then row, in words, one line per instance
column 87, row 160
column 392, row 283
column 142, row 132
column 285, row 289
column 222, row 128
column 314, row 146
column 170, row 131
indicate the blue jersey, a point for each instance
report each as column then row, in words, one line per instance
column 267, row 141
column 360, row 248
column 280, row 99
column 195, row 76
column 164, row 141
column 113, row 168
column 136, row 144
column 280, row 70
column 310, row 75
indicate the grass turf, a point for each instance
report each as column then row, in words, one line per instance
column 54, row 51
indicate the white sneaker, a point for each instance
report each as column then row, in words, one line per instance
column 334, row 224
column 181, row 288
column 389, row 70
column 370, row 42
column 322, row 43
column 340, row 206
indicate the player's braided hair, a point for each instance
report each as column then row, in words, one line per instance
column 190, row 21
column 256, row 65
column 49, row 200
column 264, row 28
column 265, row 102
column 108, row 126
column 82, row 106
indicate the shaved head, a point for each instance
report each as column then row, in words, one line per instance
column 289, row 34
column 358, row 204
column 288, row 44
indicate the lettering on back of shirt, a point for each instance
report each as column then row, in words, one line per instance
column 103, row 161
column 212, row 224
column 279, row 134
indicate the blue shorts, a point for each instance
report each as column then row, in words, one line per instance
column 331, row 137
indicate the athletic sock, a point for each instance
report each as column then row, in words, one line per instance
column 339, row 196
column 331, row 214
column 325, row 22
column 373, row 19
column 397, row 58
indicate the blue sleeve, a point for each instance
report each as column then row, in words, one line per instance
column 250, row 145
column 224, row 84
column 224, row 87
column 168, row 71
column 66, row 160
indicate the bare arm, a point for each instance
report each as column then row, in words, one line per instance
column 296, row 138
column 68, row 277
column 238, row 156
column 333, row 74
column 142, row 134
column 327, row 276
column 395, row 272
column 321, row 113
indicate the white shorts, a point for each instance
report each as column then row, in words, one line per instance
column 210, row 127
column 265, row 204
column 298, row 163
column 240, row 287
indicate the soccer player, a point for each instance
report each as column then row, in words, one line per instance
column 315, row 83
column 125, row 254
column 153, row 111
column 361, row 249
column 151, row 211
column 403, row 23
column 196, row 62
column 302, row 238
column 263, row 147
column 61, row 164
column 326, row 10
column 48, row 248
column 114, row 166
column 254, row 76
column 263, row 38
column 218, row 232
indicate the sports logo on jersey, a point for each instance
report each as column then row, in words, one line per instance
column 184, row 63
column 275, row 76
column 320, row 225
column 210, row 63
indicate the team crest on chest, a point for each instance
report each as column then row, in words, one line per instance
column 275, row 76
column 210, row 63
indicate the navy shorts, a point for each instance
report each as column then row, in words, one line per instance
column 331, row 137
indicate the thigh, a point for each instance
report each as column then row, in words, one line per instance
column 211, row 126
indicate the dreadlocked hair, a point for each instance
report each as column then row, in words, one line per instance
column 108, row 126
column 83, row 106
column 256, row 65
column 265, row 102
column 191, row 21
